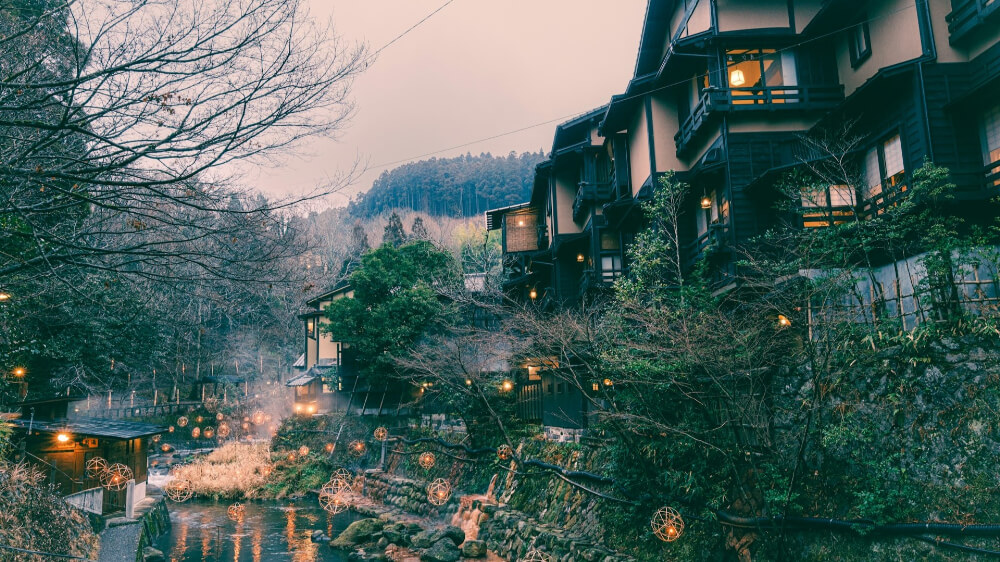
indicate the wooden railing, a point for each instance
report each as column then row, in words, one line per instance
column 714, row 100
column 968, row 16
column 992, row 173
column 587, row 192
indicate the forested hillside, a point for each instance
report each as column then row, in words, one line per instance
column 463, row 186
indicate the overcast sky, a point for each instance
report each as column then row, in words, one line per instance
column 476, row 69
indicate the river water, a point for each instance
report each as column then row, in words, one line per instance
column 270, row 531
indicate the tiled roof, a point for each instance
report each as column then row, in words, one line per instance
column 92, row 427
column 301, row 380
column 300, row 362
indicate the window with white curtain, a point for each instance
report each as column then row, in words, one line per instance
column 885, row 170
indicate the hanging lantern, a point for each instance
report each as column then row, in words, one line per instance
column 182, row 421
column 439, row 491
column 199, row 419
column 223, row 430
column 116, row 477
column 170, row 429
column 736, row 78
column 535, row 555
column 358, row 448
column 258, row 417
column 328, row 447
column 783, row 321
column 381, row 433
column 303, row 451
column 208, row 432
column 533, row 294
column 505, row 453
column 195, row 433
column 580, row 258
column 706, row 202
column 427, row 460
column 179, row 490
column 246, row 425
column 96, row 466
column 156, row 438
column 334, row 496
column 236, row 511
column 507, row 385
column 166, row 448
column 667, row 524
column 219, row 416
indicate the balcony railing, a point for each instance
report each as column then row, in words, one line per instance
column 715, row 237
column 588, row 193
column 776, row 98
column 968, row 16
column 593, row 279
column 992, row 172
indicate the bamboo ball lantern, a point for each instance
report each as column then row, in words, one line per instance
column 116, row 477
column 208, row 432
column 303, row 451
column 381, row 434
column 439, row 491
column 199, row 419
column 328, row 447
column 156, row 438
column 667, row 524
column 96, row 466
column 182, row 421
column 166, row 448
column 427, row 460
column 223, row 431
column 219, row 416
column 334, row 496
column 535, row 555
column 358, row 448
column 179, row 490
column 195, row 433
column 236, row 511
column 505, row 453
column 342, row 474
column 258, row 417
column 170, row 429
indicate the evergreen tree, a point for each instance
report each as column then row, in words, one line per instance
column 419, row 231
column 394, row 233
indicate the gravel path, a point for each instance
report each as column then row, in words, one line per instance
column 120, row 543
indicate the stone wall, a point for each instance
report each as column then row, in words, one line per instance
column 511, row 534
column 406, row 494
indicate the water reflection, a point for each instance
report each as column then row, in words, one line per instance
column 278, row 531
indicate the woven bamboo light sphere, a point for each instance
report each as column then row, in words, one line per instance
column 208, row 432
column 667, row 524
column 427, row 460
column 219, row 416
column 358, row 448
column 381, row 433
column 504, row 452
column 199, row 419
column 439, row 491
column 258, row 417
column 195, row 432
column 96, row 466
column 334, row 496
column 182, row 421
column 236, row 511
column 303, row 451
column 342, row 474
column 223, row 430
column 179, row 490
column 116, row 477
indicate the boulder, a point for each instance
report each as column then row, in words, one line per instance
column 474, row 549
column 426, row 539
column 357, row 533
column 454, row 533
column 150, row 554
column 443, row 550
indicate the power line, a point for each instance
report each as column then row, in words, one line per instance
column 621, row 99
column 412, row 27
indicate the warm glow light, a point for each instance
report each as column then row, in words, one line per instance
column 783, row 321
column 310, row 409
column 199, row 419
column 608, row 382
column 4, row 297
column 298, row 408
column 520, row 222
column 533, row 294
column 580, row 258
column 468, row 382
column 19, row 371
column 737, row 78
column 706, row 203
column 507, row 386
column 62, row 437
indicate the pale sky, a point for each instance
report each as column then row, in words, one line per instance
column 476, row 69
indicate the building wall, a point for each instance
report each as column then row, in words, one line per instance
column 895, row 38
column 805, row 11
column 638, row 149
column 665, row 125
column 752, row 14
column 566, row 178
column 970, row 48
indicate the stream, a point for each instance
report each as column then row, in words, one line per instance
column 270, row 530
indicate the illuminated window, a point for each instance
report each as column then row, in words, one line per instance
column 885, row 173
column 756, row 76
column 991, row 143
column 826, row 206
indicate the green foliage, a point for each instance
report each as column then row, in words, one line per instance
column 396, row 297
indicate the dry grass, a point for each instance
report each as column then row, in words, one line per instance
column 236, row 470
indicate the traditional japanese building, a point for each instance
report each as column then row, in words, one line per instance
column 723, row 94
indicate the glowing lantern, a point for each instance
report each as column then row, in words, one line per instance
column 504, row 452
column 533, row 294
column 223, row 430
column 96, row 466
column 328, row 447
column 381, row 434
column 706, row 202
column 358, row 448
column 342, row 474
column 179, row 490
column 427, row 460
column 208, row 433
column 783, row 321
column 667, row 524
column 182, row 421
column 236, row 511
column 291, row 456
column 116, row 477
column 62, row 437
column 246, row 425
column 156, row 438
column 219, row 416
column 439, row 491
column 199, row 419
column 258, row 417
column 195, row 433
column 170, row 429
column 19, row 371
column 736, row 78
column 334, row 496
column 166, row 448
column 580, row 258
column 303, row 451
column 507, row 385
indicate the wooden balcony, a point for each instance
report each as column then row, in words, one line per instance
column 715, row 237
column 715, row 101
column 588, row 193
column 992, row 173
column 968, row 16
